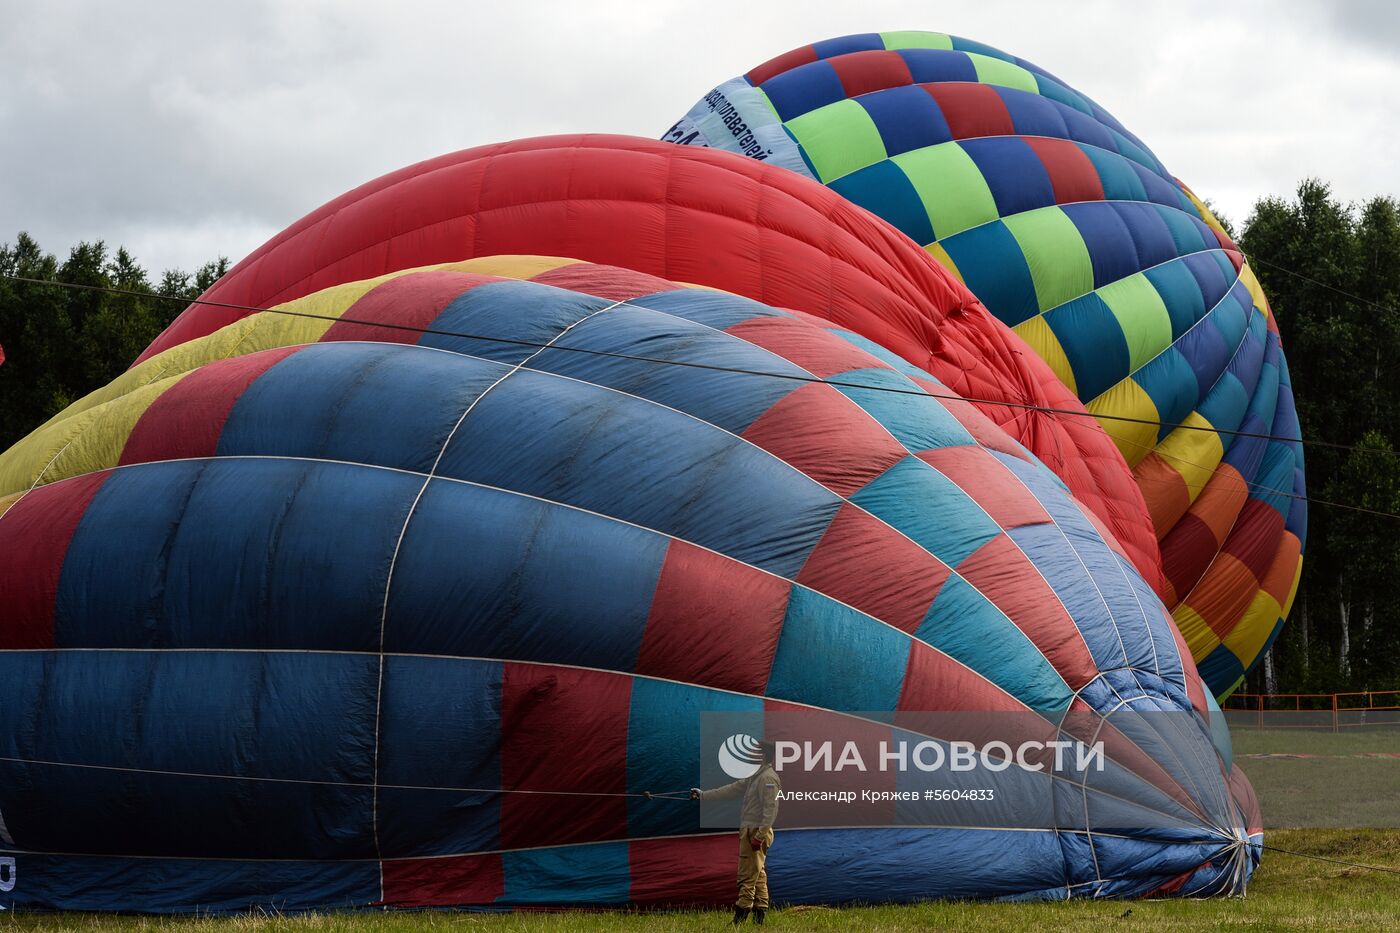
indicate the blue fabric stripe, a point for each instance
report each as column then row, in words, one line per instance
column 296, row 716
column 885, row 191
column 527, row 311
column 664, row 749
column 1180, row 294
column 591, row 874
column 803, row 89
column 918, row 421
column 966, row 626
column 386, row 404
column 1014, row 173
column 907, row 118
column 929, row 508
column 1033, row 115
column 1093, row 342
column 933, row 66
column 488, row 574
column 845, row 45
column 596, row 450
column 832, row 656
column 441, row 728
column 729, row 400
column 1171, row 384
column 993, row 266
column 217, row 553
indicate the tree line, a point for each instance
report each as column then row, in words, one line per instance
column 1331, row 271
column 62, row 343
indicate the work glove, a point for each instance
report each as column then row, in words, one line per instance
column 695, row 793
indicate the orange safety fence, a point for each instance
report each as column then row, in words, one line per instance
column 1314, row 710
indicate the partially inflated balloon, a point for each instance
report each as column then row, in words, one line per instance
column 696, row 216
column 1069, row 229
column 405, row 597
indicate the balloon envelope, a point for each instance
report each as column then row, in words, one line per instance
column 705, row 217
column 406, row 597
column 1068, row 228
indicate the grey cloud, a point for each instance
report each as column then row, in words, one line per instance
column 187, row 129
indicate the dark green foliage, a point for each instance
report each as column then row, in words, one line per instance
column 1341, row 333
column 61, row 343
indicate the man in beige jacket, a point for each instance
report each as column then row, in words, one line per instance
column 756, row 817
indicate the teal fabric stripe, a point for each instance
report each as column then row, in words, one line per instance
column 829, row 655
column 966, row 626
column 929, row 508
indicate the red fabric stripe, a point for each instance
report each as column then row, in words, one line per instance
column 785, row 62
column 983, row 430
column 806, row 343
column 873, row 70
column 1072, row 174
column 714, row 621
column 828, row 437
column 866, row 564
column 443, row 882
column 413, row 300
column 1003, row 574
column 34, row 537
column 1187, row 552
column 608, row 282
column 989, row 483
column 683, row 870
column 934, row 682
column 187, row 419
column 1254, row 541
column 972, row 109
column 563, row 729
column 1279, row 581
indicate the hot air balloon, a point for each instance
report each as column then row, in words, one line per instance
column 403, row 592
column 710, row 218
column 1068, row 228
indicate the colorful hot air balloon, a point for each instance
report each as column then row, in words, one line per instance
column 705, row 217
column 395, row 599
column 1069, row 230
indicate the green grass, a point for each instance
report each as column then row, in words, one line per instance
column 1287, row 894
column 1338, row 786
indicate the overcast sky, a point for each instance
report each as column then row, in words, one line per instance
column 188, row 130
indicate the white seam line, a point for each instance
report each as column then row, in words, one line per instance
column 394, row 557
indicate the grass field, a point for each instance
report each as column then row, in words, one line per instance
column 1313, row 778
column 1288, row 893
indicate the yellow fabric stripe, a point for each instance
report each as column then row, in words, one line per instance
column 1128, row 400
column 508, row 267
column 1256, row 291
column 89, row 441
column 1247, row 638
column 1199, row 637
column 248, row 335
column 1211, row 220
column 1043, row 341
column 90, row 434
column 1193, row 454
column 7, row 501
